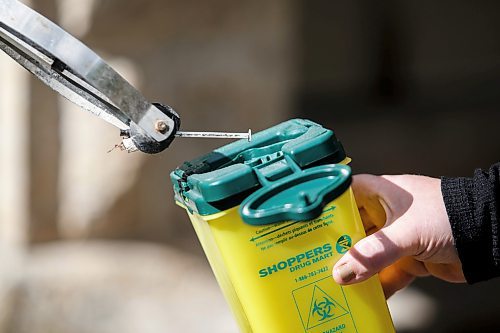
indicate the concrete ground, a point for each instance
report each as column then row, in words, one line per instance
column 101, row 287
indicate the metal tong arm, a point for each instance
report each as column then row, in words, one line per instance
column 76, row 72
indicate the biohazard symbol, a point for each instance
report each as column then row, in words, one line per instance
column 323, row 309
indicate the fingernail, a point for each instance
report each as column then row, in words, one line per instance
column 345, row 273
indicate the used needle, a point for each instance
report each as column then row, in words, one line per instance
column 219, row 135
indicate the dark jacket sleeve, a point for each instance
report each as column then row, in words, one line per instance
column 473, row 210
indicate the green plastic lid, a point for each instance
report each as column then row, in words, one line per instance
column 294, row 156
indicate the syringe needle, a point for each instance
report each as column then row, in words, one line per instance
column 218, row 135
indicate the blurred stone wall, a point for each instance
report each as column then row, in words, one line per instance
column 77, row 220
column 409, row 86
column 222, row 65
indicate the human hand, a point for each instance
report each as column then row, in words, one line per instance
column 409, row 234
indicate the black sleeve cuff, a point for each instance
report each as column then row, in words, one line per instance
column 471, row 204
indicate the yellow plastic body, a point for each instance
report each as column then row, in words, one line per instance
column 278, row 278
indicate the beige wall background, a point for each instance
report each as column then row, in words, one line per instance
column 91, row 240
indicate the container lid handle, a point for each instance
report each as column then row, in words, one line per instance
column 299, row 197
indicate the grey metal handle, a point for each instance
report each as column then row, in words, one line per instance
column 76, row 72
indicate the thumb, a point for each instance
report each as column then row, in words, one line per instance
column 371, row 254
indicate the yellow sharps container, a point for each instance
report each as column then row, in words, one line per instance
column 273, row 216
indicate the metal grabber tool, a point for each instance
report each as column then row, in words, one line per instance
column 73, row 70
